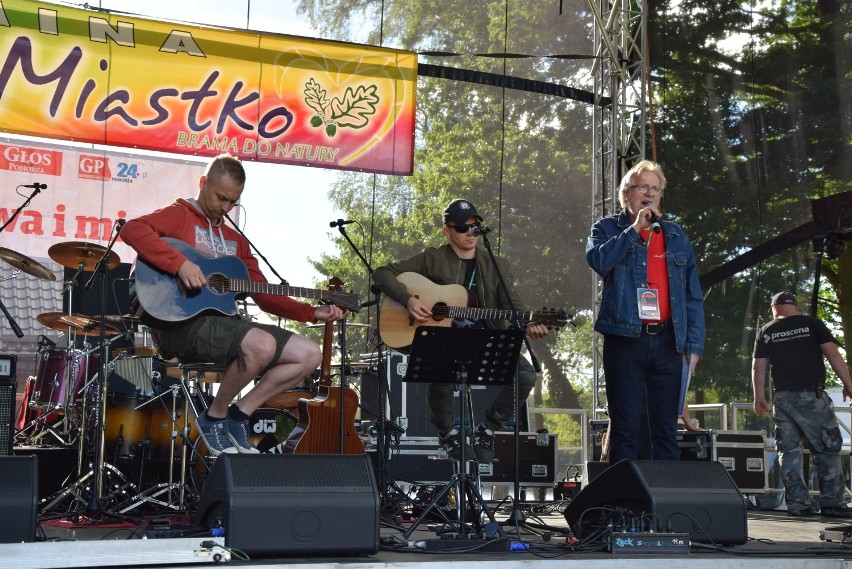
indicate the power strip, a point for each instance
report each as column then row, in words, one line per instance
column 635, row 543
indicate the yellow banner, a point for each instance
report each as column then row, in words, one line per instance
column 91, row 76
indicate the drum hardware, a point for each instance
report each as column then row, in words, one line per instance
column 175, row 491
column 100, row 476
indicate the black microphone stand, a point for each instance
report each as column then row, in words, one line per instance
column 516, row 516
column 15, row 328
column 94, row 507
column 382, row 371
column 20, row 209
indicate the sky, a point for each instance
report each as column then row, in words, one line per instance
column 287, row 213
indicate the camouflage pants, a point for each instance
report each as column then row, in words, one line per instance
column 809, row 414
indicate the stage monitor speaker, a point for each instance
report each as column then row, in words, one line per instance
column 300, row 504
column 7, row 416
column 18, row 498
column 698, row 498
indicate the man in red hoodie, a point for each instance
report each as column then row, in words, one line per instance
column 248, row 349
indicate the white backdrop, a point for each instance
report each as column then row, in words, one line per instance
column 87, row 190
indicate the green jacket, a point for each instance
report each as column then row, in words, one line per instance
column 442, row 266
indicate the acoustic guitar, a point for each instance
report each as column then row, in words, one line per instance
column 164, row 297
column 318, row 430
column 447, row 302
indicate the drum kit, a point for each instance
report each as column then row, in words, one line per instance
column 127, row 427
column 133, row 441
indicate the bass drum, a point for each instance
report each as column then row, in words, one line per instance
column 270, row 428
column 125, row 432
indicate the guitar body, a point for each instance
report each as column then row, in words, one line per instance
column 396, row 326
column 318, row 429
column 164, row 297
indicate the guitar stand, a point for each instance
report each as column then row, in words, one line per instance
column 463, row 356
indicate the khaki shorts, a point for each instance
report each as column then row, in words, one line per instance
column 215, row 339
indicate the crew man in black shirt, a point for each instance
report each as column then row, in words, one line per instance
column 794, row 346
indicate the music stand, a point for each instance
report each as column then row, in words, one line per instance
column 462, row 356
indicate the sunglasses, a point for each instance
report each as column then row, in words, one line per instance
column 463, row 228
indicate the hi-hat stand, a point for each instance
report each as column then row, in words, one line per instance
column 463, row 356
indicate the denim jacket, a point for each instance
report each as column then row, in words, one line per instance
column 616, row 252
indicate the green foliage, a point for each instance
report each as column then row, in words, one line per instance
column 749, row 126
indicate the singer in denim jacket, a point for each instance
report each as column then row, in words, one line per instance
column 643, row 359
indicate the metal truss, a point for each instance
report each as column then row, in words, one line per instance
column 619, row 127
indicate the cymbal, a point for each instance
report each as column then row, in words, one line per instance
column 81, row 255
column 24, row 263
column 81, row 323
column 337, row 324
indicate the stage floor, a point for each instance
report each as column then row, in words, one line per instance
column 775, row 540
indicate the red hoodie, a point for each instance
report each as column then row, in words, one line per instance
column 182, row 220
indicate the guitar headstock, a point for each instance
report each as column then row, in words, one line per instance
column 340, row 298
column 553, row 317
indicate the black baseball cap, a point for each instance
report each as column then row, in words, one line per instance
column 784, row 298
column 458, row 212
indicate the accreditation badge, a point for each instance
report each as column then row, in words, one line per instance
column 648, row 300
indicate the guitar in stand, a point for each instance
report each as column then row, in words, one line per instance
column 327, row 420
column 464, row 356
column 164, row 297
column 448, row 302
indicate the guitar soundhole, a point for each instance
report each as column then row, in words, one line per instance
column 439, row 311
column 218, row 284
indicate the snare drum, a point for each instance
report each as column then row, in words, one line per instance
column 269, row 429
column 60, row 375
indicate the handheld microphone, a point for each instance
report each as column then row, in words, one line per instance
column 35, row 186
column 655, row 223
column 341, row 222
column 120, row 222
column 481, row 229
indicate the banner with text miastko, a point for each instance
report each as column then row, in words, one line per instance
column 90, row 76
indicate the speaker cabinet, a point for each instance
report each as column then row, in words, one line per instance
column 18, row 498
column 698, row 498
column 7, row 416
column 299, row 504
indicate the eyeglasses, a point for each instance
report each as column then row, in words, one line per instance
column 647, row 189
column 462, row 228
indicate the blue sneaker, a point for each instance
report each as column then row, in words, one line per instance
column 238, row 432
column 215, row 435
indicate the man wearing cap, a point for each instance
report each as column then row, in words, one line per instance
column 651, row 315
column 464, row 261
column 794, row 345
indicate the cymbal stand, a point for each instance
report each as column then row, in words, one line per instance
column 77, row 498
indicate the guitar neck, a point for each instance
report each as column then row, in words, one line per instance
column 487, row 314
column 254, row 287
